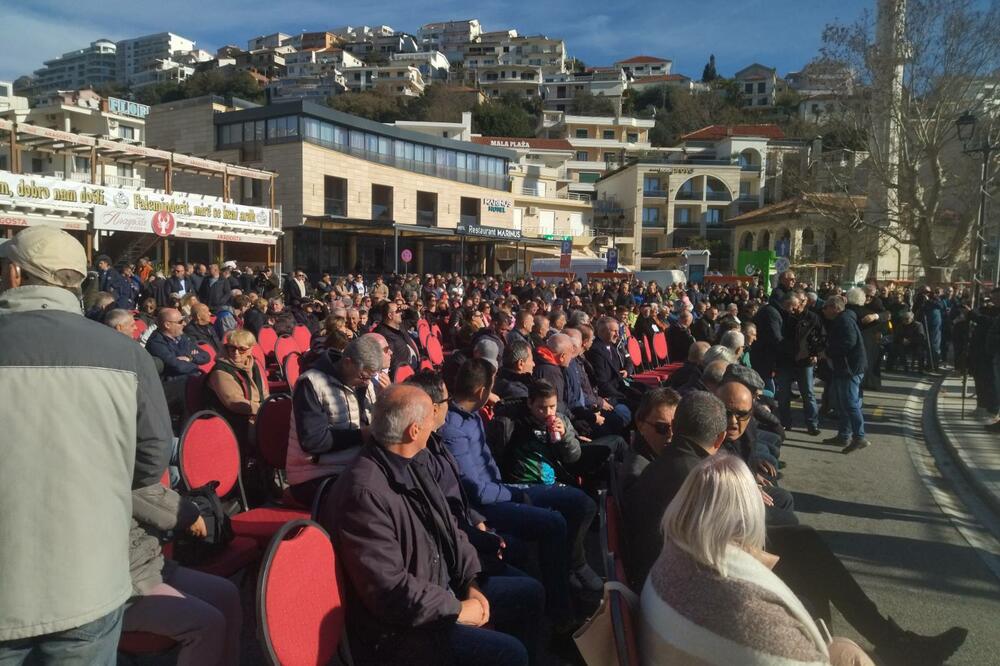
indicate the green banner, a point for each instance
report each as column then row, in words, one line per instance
column 753, row 262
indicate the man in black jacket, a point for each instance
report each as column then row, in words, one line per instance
column 514, row 377
column 179, row 282
column 679, row 338
column 200, row 328
column 609, row 366
column 215, row 289
column 804, row 339
column 404, row 349
column 769, row 344
column 845, row 352
column 111, row 281
column 412, row 575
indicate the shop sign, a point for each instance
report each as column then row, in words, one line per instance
column 507, row 143
column 488, row 232
column 163, row 223
column 497, row 205
column 36, row 221
column 123, row 107
column 686, row 171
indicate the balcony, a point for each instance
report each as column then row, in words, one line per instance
column 131, row 182
column 718, row 196
column 689, row 196
column 574, row 196
column 335, row 207
column 658, row 223
column 654, row 193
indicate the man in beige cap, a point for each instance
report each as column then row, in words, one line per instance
column 85, row 422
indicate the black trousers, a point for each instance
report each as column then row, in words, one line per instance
column 820, row 579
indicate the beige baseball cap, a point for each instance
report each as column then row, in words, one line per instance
column 42, row 251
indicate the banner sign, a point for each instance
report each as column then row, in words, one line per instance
column 566, row 254
column 163, row 223
column 488, row 232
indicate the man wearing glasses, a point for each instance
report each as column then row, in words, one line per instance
column 180, row 356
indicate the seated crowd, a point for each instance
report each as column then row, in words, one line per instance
column 459, row 491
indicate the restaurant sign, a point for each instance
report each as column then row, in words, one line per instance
column 488, row 232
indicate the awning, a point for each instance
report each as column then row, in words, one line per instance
column 69, row 223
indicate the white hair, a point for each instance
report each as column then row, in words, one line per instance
column 856, row 296
column 117, row 317
column 733, row 340
column 718, row 353
column 718, row 505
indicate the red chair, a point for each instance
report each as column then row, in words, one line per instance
column 403, row 373
column 650, row 359
column 426, row 365
column 423, row 332
column 300, row 613
column 436, row 331
column 267, row 339
column 291, row 369
column 194, row 393
column 623, row 625
column 635, row 353
column 140, row 328
column 303, row 337
column 210, row 350
column 665, row 368
column 208, row 451
column 284, row 346
column 274, row 420
column 434, row 352
column 260, row 359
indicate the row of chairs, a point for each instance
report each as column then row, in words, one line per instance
column 653, row 362
column 613, row 550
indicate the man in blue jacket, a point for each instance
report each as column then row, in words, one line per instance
column 845, row 352
column 111, row 281
column 180, row 355
column 556, row 517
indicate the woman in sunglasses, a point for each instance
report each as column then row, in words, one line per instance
column 236, row 384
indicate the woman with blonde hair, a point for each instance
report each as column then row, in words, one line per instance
column 188, row 301
column 236, row 384
column 711, row 597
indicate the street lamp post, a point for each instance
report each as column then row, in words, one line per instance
column 966, row 126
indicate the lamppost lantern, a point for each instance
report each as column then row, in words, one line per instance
column 966, row 126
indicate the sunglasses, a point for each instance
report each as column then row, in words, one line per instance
column 661, row 427
column 738, row 415
column 238, row 348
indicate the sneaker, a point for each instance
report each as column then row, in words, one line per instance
column 813, row 431
column 586, row 578
column 910, row 649
column 856, row 445
column 836, row 440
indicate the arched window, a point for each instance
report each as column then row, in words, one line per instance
column 716, row 190
column 764, row 242
column 809, row 251
column 749, row 160
column 746, row 241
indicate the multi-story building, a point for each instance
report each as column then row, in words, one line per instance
column 643, row 65
column 433, row 65
column 269, row 62
column 359, row 33
column 272, row 41
column 317, row 87
column 355, row 193
column 401, row 79
column 449, row 37
column 311, row 41
column 537, row 51
column 644, row 83
column 319, row 62
column 360, row 78
column 559, row 90
column 600, row 144
column 9, row 101
column 137, row 56
column 90, row 66
column 81, row 112
column 757, row 85
column 524, row 81
column 381, row 47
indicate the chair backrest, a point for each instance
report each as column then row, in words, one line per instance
column 649, row 352
column 267, row 337
column 634, row 352
column 140, row 328
column 303, row 337
column 434, row 352
column 426, row 365
column 614, row 519
column 623, row 625
column 208, row 451
column 260, row 359
column 403, row 373
column 436, row 331
column 325, row 486
column 274, row 421
column 210, row 350
column 423, row 332
column 291, row 369
column 660, row 346
column 194, row 393
column 300, row 613
column 284, row 346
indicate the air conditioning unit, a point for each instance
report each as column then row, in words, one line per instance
column 532, row 210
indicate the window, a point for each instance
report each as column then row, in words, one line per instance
column 126, row 132
column 576, row 224
column 588, row 177
column 650, row 217
column 651, row 185
column 427, row 209
column 761, row 87
column 748, row 88
column 712, row 216
column 608, row 134
column 650, row 244
column 633, row 137
column 580, row 133
column 610, row 157
column 81, row 164
column 469, row 214
column 582, row 155
column 381, row 203
column 546, row 222
column 682, row 216
column 334, row 196
column 762, row 101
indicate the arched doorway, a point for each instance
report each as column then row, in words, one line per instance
column 746, row 241
column 783, row 243
column 808, row 251
column 764, row 242
column 749, row 160
column 716, row 190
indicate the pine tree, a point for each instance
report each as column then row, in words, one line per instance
column 709, row 74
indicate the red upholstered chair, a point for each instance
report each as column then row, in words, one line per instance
column 665, row 368
column 274, row 420
column 267, row 338
column 436, row 331
column 210, row 350
column 303, row 337
column 423, row 332
column 650, row 359
column 434, row 352
column 635, row 353
column 403, row 373
column 300, row 614
column 284, row 346
column 140, row 328
column 426, row 365
column 194, row 393
column 208, row 451
column 291, row 369
column 623, row 625
column 260, row 358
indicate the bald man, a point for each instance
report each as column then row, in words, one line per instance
column 552, row 363
column 691, row 368
column 200, row 328
column 392, row 528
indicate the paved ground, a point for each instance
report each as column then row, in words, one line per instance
column 976, row 450
column 880, row 510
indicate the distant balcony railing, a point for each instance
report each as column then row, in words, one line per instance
column 689, row 196
column 658, row 223
column 654, row 193
column 719, row 196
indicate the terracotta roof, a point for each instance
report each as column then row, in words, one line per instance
column 716, row 132
column 635, row 60
column 519, row 142
column 808, row 203
column 663, row 77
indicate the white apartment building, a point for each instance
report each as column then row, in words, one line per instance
column 317, row 88
column 461, row 131
column 361, row 78
column 757, row 85
column 524, row 81
column 643, row 65
column 449, row 37
column 538, row 51
column 271, row 41
column 140, row 54
column 9, row 101
column 359, row 33
column 559, row 90
column 92, row 65
column 433, row 65
column 670, row 80
column 600, row 144
column 82, row 112
column 316, row 62
column 399, row 79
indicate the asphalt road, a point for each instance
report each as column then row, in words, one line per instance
column 876, row 510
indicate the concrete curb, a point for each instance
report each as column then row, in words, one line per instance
column 968, row 467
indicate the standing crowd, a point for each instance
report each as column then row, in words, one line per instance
column 454, row 437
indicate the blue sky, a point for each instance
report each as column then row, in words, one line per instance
column 781, row 33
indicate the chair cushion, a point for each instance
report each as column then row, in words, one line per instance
column 262, row 524
column 239, row 554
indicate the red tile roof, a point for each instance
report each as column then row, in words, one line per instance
column 805, row 204
column 642, row 59
column 716, row 132
column 664, row 77
column 519, row 142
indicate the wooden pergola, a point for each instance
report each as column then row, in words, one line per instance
column 25, row 136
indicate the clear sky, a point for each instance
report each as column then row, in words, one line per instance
column 780, row 33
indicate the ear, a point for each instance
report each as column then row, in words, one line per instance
column 719, row 440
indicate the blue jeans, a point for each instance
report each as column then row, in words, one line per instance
column 804, row 378
column 485, row 647
column 576, row 508
column 847, row 396
column 517, row 603
column 91, row 644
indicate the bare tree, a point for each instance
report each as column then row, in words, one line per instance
column 948, row 49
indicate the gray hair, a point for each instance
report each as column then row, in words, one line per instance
column 714, row 372
column 365, row 352
column 696, row 352
column 560, row 343
column 837, row 302
column 117, row 317
column 732, row 340
column 906, row 316
column 812, row 296
column 856, row 296
column 718, row 353
column 717, row 506
column 393, row 415
column 516, row 351
column 577, row 317
column 701, row 418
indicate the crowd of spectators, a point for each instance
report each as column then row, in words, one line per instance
column 464, row 488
